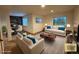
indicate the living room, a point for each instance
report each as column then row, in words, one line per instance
column 40, row 22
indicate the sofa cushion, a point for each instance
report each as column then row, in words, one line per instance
column 48, row 27
column 20, row 35
column 55, row 31
column 61, row 28
column 55, row 27
column 24, row 34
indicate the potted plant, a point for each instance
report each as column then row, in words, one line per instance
column 4, row 30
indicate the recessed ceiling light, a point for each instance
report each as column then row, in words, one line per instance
column 42, row 6
column 51, row 11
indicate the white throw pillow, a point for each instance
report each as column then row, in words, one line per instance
column 30, row 35
column 20, row 35
column 55, row 27
column 25, row 34
column 19, row 28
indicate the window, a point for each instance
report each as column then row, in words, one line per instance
column 60, row 20
column 25, row 21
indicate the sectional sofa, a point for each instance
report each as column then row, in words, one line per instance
column 28, row 47
column 58, row 30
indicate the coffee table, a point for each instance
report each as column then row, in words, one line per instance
column 48, row 36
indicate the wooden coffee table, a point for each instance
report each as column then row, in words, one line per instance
column 48, row 36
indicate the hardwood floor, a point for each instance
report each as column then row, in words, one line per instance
column 56, row 47
column 12, row 48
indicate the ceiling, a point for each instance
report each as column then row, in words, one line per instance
column 37, row 9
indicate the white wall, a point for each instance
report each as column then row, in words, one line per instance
column 29, row 27
column 76, row 16
column 0, row 29
column 69, row 15
column 0, row 22
column 47, row 20
column 37, row 27
column 33, row 27
column 5, row 21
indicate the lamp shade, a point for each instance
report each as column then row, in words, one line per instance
column 68, row 25
column 45, row 24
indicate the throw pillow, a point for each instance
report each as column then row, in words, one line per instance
column 29, row 42
column 32, row 38
column 61, row 28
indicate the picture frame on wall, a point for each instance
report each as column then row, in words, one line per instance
column 39, row 20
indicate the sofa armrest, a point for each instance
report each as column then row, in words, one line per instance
column 35, row 48
column 40, row 41
column 38, row 47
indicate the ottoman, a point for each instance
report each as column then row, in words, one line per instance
column 48, row 36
